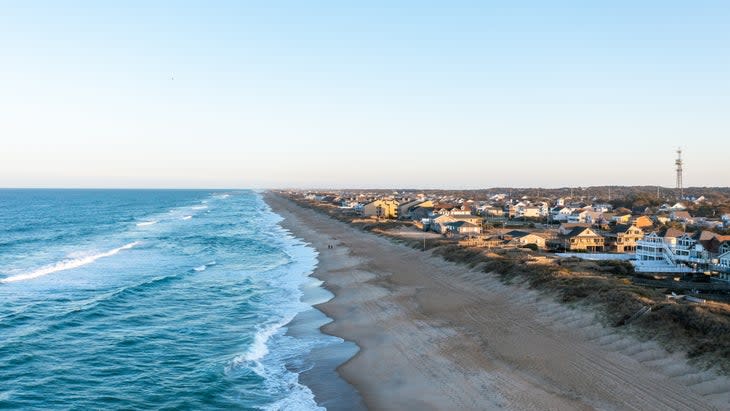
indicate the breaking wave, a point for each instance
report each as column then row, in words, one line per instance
column 67, row 264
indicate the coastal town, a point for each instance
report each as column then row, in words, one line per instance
column 685, row 239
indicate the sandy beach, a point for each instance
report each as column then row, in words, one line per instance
column 435, row 335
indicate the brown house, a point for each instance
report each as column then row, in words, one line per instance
column 623, row 238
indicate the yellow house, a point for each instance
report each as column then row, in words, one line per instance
column 381, row 209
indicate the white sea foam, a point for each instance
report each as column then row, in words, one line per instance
column 187, row 217
column 259, row 348
column 146, row 223
column 66, row 264
column 200, row 207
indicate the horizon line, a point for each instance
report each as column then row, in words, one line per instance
column 582, row 188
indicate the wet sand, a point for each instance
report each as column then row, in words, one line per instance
column 435, row 335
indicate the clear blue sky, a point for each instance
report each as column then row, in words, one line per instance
column 317, row 93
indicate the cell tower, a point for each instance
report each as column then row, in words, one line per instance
column 678, row 163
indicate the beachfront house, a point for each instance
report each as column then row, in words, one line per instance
column 581, row 239
column 462, row 228
column 668, row 250
column 723, row 267
column 623, row 238
column 405, row 210
column 438, row 223
column 381, row 208
column 523, row 238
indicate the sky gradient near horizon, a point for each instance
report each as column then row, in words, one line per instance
column 463, row 94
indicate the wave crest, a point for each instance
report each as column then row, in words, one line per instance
column 146, row 223
column 67, row 264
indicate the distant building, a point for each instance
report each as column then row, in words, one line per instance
column 682, row 217
column 491, row 211
column 623, row 218
column 602, row 207
column 642, row 222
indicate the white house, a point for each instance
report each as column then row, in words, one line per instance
column 584, row 216
column 602, row 208
column 724, row 266
column 671, row 251
column 561, row 214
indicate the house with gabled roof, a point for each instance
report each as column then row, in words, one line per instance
column 623, row 238
column 724, row 246
column 523, row 238
column 580, row 239
column 682, row 217
column 566, row 228
column 642, row 222
column 463, row 228
column 672, row 250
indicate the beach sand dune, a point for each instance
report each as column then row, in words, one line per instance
column 435, row 335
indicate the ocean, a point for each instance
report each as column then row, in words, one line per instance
column 154, row 299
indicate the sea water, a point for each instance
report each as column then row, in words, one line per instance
column 151, row 299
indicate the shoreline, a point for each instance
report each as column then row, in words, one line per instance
column 436, row 335
column 318, row 369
